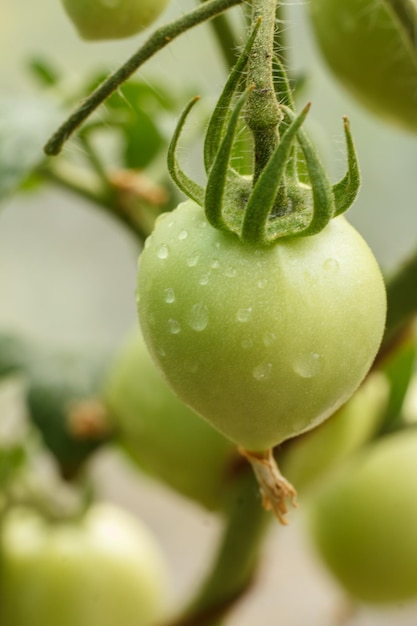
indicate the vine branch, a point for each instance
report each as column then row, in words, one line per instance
column 157, row 41
column 234, row 567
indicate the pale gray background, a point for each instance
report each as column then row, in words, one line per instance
column 68, row 275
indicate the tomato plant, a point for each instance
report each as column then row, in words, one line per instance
column 370, row 47
column 98, row 19
column 105, row 568
column 363, row 522
column 149, row 417
column 269, row 338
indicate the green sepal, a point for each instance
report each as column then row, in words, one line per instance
column 346, row 190
column 219, row 172
column 262, row 199
column 222, row 112
column 183, row 182
column 323, row 200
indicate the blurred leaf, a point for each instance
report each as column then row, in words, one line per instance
column 399, row 370
column 143, row 141
column 63, row 401
column 44, row 71
column 25, row 124
column 11, row 459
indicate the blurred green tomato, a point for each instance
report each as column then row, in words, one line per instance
column 311, row 456
column 371, row 47
column 112, row 19
column 164, row 436
column 104, row 570
column 364, row 521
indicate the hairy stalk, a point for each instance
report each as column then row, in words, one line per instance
column 262, row 110
column 235, row 565
column 158, row 40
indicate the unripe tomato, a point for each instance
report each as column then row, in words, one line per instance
column 311, row 457
column 264, row 343
column 162, row 434
column 113, row 19
column 364, row 521
column 104, row 570
column 370, row 46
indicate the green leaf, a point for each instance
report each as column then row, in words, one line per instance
column 143, row 141
column 25, row 124
column 399, row 370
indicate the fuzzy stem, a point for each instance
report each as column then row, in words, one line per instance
column 158, row 40
column 262, row 111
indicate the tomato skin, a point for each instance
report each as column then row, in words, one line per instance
column 106, row 570
column 264, row 343
column 370, row 51
column 364, row 521
column 160, row 433
column 98, row 19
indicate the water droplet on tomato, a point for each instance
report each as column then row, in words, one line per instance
column 148, row 241
column 193, row 259
column 262, row 283
column 204, row 279
column 268, row 339
column 246, row 343
column 262, row 371
column 199, row 317
column 230, row 272
column 331, row 265
column 169, row 296
column 183, row 235
column 174, row 327
column 243, row 315
column 163, row 251
column 215, row 264
column 308, row 365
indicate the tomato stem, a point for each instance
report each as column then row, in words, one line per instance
column 275, row 488
column 235, row 564
column 262, row 110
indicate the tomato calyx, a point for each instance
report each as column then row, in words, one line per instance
column 274, row 487
column 275, row 204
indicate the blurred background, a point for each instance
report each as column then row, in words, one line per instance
column 68, row 272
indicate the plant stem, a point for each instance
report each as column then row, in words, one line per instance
column 226, row 38
column 234, row 567
column 158, row 40
column 71, row 180
column 262, row 111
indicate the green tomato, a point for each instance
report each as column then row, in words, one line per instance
column 104, row 570
column 162, row 435
column 264, row 343
column 112, row 19
column 310, row 457
column 364, row 520
column 370, row 46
